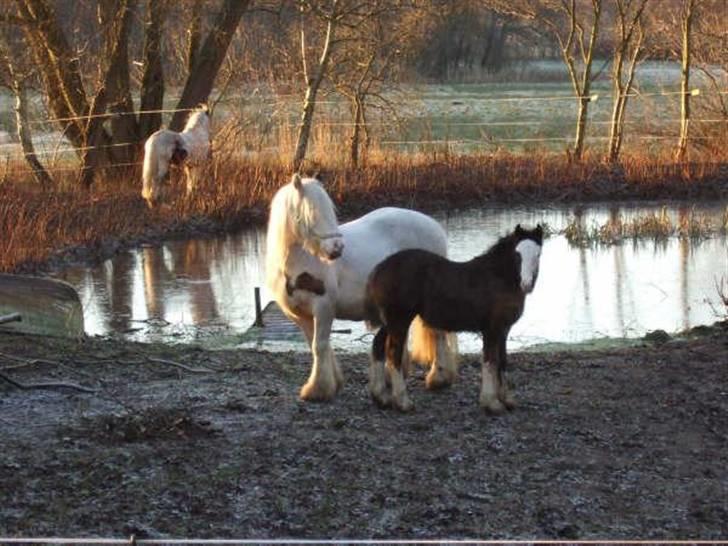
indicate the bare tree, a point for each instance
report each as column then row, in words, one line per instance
column 208, row 59
column 18, row 78
column 687, row 14
column 629, row 42
column 83, row 104
column 313, row 80
column 152, row 84
column 576, row 30
column 364, row 66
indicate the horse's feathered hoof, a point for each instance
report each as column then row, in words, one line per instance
column 405, row 406
column 383, row 401
column 509, row 402
column 311, row 392
column 496, row 407
column 438, row 378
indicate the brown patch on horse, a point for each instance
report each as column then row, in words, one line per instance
column 305, row 281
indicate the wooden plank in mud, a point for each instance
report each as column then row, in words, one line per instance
column 276, row 326
column 46, row 306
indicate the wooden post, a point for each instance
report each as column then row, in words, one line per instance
column 258, row 311
column 12, row 317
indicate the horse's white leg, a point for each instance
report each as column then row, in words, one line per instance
column 378, row 387
column 444, row 369
column 395, row 346
column 438, row 350
column 490, row 378
column 323, row 383
column 191, row 179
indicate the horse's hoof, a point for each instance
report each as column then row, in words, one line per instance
column 311, row 392
column 383, row 401
column 509, row 402
column 438, row 379
column 496, row 407
column 405, row 406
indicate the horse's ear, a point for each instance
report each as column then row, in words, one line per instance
column 296, row 181
column 519, row 229
column 539, row 232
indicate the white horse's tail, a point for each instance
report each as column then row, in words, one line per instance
column 150, row 173
column 432, row 347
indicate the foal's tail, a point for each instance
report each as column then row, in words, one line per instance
column 372, row 315
column 424, row 345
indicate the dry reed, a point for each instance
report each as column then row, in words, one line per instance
column 36, row 225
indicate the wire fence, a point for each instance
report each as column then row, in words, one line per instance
column 487, row 140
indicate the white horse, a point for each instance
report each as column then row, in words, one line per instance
column 318, row 270
column 191, row 148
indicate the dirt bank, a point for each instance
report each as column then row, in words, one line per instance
column 627, row 443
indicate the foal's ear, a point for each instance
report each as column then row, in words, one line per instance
column 519, row 229
column 296, row 181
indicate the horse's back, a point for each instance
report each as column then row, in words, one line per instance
column 370, row 239
column 396, row 229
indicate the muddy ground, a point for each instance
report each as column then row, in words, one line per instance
column 619, row 444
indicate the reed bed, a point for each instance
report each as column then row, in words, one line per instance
column 656, row 226
column 37, row 226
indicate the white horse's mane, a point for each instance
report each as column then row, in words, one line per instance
column 197, row 118
column 297, row 216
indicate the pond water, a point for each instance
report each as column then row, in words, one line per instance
column 202, row 290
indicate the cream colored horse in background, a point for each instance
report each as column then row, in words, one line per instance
column 318, row 270
column 191, row 148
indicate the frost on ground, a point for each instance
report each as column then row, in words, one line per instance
column 620, row 444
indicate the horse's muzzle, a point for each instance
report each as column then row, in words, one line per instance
column 336, row 253
column 335, row 250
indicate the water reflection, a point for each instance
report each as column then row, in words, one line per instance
column 202, row 288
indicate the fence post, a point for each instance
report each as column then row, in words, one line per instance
column 258, row 311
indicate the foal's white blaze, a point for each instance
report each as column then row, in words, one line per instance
column 530, row 252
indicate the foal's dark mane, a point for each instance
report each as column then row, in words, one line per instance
column 501, row 247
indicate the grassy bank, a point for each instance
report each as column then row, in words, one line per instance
column 38, row 226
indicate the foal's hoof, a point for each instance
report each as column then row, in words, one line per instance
column 311, row 392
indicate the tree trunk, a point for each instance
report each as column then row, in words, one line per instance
column 356, row 130
column 152, row 92
column 59, row 66
column 202, row 78
column 194, row 37
column 21, row 119
column 581, row 119
column 621, row 88
column 581, row 85
column 124, row 128
column 309, row 101
column 686, row 27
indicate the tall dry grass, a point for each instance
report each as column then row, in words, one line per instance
column 36, row 225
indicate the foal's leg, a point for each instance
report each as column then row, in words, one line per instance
column 504, row 393
column 395, row 345
column 378, row 387
column 490, row 376
column 325, row 380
